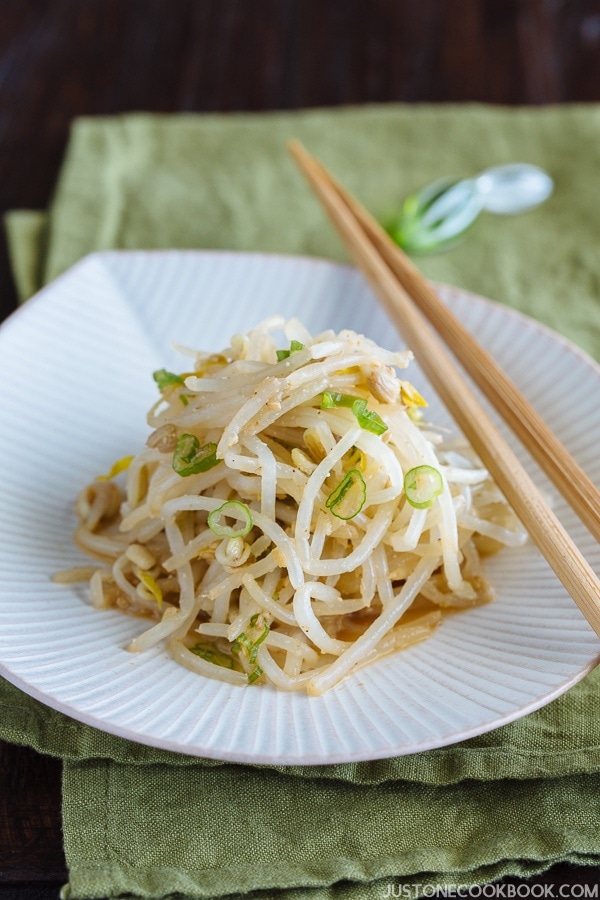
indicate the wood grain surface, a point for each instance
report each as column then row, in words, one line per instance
column 63, row 58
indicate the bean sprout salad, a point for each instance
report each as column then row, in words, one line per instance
column 293, row 515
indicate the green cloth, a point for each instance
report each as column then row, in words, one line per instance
column 147, row 822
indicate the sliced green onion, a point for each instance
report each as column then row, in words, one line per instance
column 257, row 644
column 189, row 457
column 422, row 485
column 348, row 498
column 242, row 644
column 331, row 399
column 247, row 646
column 366, row 418
column 235, row 510
column 165, row 379
column 255, row 675
column 184, row 399
column 212, row 655
column 294, row 346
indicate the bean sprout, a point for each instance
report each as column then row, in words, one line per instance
column 265, row 532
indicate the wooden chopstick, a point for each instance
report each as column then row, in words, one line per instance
column 535, row 435
column 573, row 571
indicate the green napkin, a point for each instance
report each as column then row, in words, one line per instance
column 146, row 822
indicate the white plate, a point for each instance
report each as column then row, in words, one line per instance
column 75, row 383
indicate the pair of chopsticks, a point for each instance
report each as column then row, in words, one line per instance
column 409, row 301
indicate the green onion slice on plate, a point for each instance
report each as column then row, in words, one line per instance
column 422, row 485
column 348, row 498
column 189, row 458
column 234, row 510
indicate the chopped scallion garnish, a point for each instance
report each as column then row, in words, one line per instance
column 165, row 379
column 422, row 485
column 189, row 458
column 242, row 643
column 331, row 399
column 213, row 655
column 248, row 647
column 294, row 346
column 235, row 510
column 255, row 675
column 366, row 418
column 348, row 498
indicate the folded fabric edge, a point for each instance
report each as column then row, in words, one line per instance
column 26, row 232
column 131, row 883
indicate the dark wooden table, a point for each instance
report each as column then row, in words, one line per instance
column 64, row 58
